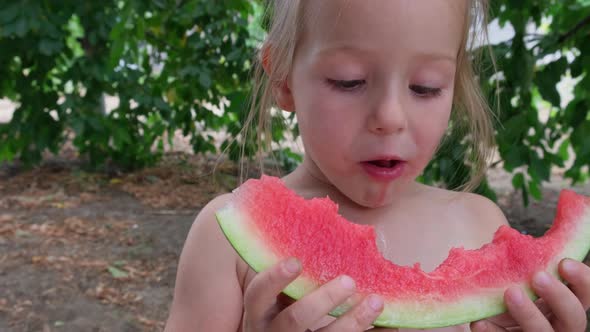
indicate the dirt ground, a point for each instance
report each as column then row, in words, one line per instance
column 92, row 252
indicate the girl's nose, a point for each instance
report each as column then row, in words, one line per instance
column 388, row 116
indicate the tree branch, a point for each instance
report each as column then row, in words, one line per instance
column 573, row 31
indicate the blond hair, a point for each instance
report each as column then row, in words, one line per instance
column 470, row 109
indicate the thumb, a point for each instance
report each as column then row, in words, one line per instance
column 261, row 295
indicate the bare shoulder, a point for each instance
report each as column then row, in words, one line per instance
column 483, row 208
column 487, row 215
column 206, row 220
column 479, row 216
column 208, row 293
column 205, row 232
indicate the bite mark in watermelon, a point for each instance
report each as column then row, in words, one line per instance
column 267, row 222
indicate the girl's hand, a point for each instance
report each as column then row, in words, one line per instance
column 560, row 308
column 264, row 311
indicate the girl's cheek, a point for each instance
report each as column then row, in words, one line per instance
column 331, row 102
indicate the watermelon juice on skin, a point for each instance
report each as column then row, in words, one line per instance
column 267, row 222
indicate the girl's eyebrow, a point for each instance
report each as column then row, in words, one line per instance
column 321, row 53
column 421, row 55
column 325, row 51
column 436, row 56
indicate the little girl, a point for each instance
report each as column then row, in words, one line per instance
column 375, row 85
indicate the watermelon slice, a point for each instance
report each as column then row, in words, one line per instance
column 267, row 222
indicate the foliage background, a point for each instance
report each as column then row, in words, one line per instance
column 173, row 62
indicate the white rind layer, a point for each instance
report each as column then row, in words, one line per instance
column 424, row 314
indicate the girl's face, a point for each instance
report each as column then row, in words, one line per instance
column 372, row 86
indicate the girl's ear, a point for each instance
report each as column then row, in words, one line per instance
column 284, row 96
column 281, row 90
column 265, row 59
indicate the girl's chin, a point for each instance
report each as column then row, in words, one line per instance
column 376, row 195
column 373, row 205
column 370, row 197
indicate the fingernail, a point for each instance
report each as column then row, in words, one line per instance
column 569, row 266
column 542, row 279
column 292, row 265
column 517, row 297
column 347, row 282
column 375, row 302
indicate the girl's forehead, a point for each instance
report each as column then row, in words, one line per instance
column 372, row 9
column 424, row 25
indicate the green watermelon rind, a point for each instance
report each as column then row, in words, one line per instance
column 252, row 249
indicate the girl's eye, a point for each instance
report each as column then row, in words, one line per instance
column 348, row 85
column 424, row 91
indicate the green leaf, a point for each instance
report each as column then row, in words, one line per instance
column 525, row 196
column 117, row 50
column 238, row 102
column 518, row 180
column 548, row 78
column 539, row 169
column 205, row 79
column 9, row 13
column 535, row 190
column 575, row 112
column 515, row 128
column 20, row 27
column 117, row 273
column 48, row 46
column 563, row 150
column 485, row 190
column 515, row 157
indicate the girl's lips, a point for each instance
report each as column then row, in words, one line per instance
column 380, row 173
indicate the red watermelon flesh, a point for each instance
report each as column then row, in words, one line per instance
column 266, row 222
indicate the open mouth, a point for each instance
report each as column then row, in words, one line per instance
column 384, row 169
column 389, row 163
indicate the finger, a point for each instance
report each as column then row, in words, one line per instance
column 506, row 321
column 485, row 326
column 525, row 312
column 315, row 305
column 359, row 318
column 563, row 303
column 577, row 275
column 261, row 295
